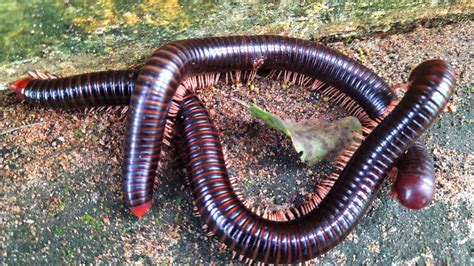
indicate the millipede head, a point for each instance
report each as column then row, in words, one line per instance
column 19, row 86
column 414, row 191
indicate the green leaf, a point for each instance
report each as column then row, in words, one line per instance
column 316, row 140
column 271, row 120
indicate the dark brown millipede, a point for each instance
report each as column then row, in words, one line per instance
column 316, row 229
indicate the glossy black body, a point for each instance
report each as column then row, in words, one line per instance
column 104, row 88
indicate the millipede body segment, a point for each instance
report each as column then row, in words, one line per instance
column 254, row 237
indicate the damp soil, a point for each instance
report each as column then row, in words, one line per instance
column 60, row 171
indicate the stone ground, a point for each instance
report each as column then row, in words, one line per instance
column 61, row 186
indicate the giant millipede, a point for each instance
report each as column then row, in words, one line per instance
column 322, row 222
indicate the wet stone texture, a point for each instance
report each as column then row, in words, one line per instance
column 60, row 170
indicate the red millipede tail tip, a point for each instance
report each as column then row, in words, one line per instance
column 18, row 86
column 141, row 210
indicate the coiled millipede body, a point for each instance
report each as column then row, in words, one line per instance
column 322, row 222
column 414, row 186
